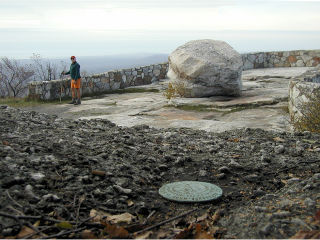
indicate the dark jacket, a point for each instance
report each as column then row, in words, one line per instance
column 74, row 71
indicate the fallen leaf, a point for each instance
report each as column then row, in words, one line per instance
column 82, row 198
column 315, row 234
column 25, row 231
column 130, row 203
column 64, row 225
column 198, row 228
column 97, row 216
column 278, row 139
column 216, row 216
column 94, row 215
column 71, row 235
column 115, row 231
column 51, row 214
column 234, row 139
column 6, row 143
column 145, row 235
column 202, row 218
column 121, row 218
column 98, row 173
column 194, row 231
column 161, row 235
column 87, row 234
column 235, row 156
column 200, row 233
column 215, row 230
column 37, row 223
column 185, row 233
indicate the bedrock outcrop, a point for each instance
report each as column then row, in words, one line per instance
column 60, row 170
column 206, row 68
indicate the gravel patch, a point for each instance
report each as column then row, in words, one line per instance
column 65, row 168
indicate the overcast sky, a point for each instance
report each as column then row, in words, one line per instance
column 58, row 28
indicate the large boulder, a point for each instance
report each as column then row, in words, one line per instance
column 206, row 68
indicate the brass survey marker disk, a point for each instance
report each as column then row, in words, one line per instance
column 190, row 191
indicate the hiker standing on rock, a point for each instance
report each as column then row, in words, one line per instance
column 75, row 81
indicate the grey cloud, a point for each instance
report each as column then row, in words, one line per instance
column 59, row 4
column 171, row 3
column 38, row 4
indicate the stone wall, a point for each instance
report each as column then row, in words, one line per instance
column 118, row 79
column 99, row 83
column 301, row 90
column 299, row 58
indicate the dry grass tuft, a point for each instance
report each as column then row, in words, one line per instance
column 310, row 118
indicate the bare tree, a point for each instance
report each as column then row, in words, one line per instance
column 45, row 70
column 14, row 77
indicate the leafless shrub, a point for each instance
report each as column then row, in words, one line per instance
column 310, row 114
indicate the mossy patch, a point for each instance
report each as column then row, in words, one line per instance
column 121, row 91
column 196, row 108
column 239, row 109
column 207, row 108
column 32, row 102
column 26, row 102
column 133, row 90
column 285, row 109
column 109, row 104
column 87, row 113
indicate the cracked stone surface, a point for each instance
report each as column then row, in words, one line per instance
column 263, row 104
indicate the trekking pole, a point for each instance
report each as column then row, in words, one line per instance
column 61, row 79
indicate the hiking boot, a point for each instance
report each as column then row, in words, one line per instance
column 78, row 102
column 73, row 101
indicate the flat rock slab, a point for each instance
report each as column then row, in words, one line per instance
column 263, row 104
column 190, row 191
column 274, row 72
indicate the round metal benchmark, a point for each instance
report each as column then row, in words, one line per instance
column 190, row 191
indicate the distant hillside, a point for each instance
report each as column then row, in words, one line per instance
column 98, row 64
column 106, row 63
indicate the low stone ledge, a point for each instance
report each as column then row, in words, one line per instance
column 99, row 83
column 296, row 58
column 302, row 90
